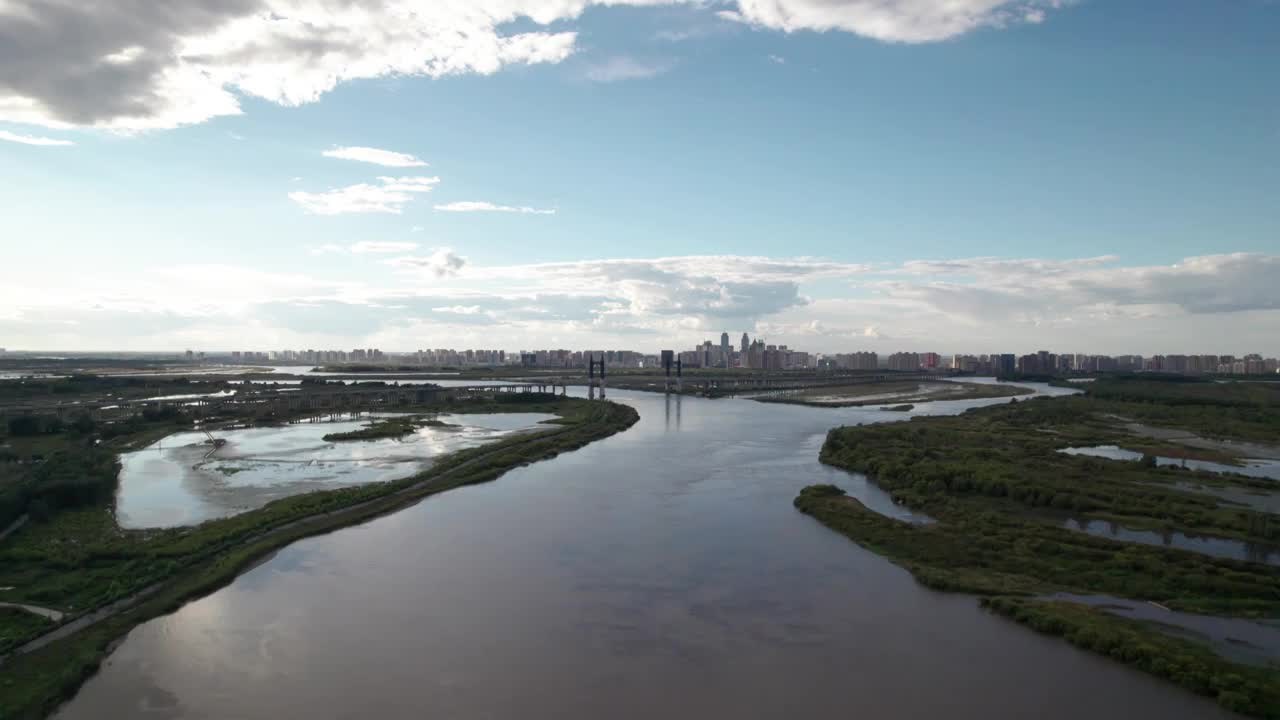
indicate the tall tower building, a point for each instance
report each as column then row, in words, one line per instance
column 746, row 342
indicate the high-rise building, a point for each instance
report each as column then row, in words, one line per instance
column 746, row 343
column 904, row 361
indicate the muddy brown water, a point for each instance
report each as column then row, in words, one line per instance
column 661, row 572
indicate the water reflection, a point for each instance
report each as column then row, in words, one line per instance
column 182, row 480
column 1248, row 497
column 670, row 399
column 1215, row 546
column 1259, row 468
column 1237, row 639
column 652, row 574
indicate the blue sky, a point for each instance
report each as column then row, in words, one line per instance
column 971, row 176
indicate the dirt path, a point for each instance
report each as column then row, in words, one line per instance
column 54, row 615
column 13, row 527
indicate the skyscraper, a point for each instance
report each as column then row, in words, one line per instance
column 746, row 342
column 725, row 349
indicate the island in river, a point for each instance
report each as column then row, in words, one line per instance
column 899, row 395
column 998, row 483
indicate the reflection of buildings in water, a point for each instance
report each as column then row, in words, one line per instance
column 668, row 408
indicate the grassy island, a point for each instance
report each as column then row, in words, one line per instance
column 80, row 560
column 388, row 428
column 998, row 487
column 901, row 393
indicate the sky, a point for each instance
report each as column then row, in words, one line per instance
column 957, row 176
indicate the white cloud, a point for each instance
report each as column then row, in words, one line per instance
column 364, row 247
column 390, row 196
column 904, row 21
column 981, row 287
column 1216, row 303
column 477, row 206
column 375, row 246
column 385, row 158
column 98, row 64
column 442, row 262
column 32, row 139
column 777, row 59
column 624, row 67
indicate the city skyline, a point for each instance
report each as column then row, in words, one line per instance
column 359, row 354
column 842, row 176
column 754, row 354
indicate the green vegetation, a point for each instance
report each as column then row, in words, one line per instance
column 74, row 475
column 998, row 487
column 17, row 626
column 48, row 466
column 1006, row 458
column 1006, row 560
column 387, row 428
column 1240, row 688
column 996, row 553
column 82, row 560
column 1237, row 410
column 880, row 393
column 76, row 386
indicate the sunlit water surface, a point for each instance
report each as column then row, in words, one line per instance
column 660, row 573
column 183, row 480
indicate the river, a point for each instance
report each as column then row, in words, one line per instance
column 661, row 572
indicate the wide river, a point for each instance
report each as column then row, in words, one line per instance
column 660, row 573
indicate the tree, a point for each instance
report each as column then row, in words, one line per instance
column 24, row 425
column 84, row 424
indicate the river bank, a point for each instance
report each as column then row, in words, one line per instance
column 1008, row 564
column 661, row 572
column 895, row 394
column 998, row 482
column 201, row 560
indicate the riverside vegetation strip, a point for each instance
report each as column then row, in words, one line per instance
column 897, row 393
column 81, row 559
column 996, row 484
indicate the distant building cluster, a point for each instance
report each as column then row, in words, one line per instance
column 1044, row 362
column 752, row 354
column 579, row 358
column 758, row 355
column 359, row 355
